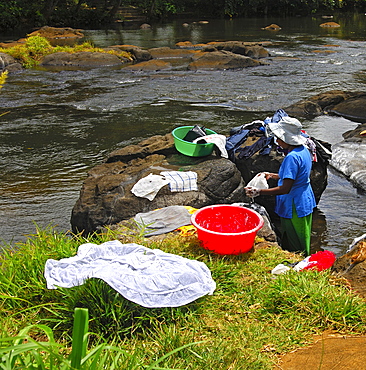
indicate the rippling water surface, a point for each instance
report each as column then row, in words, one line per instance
column 56, row 125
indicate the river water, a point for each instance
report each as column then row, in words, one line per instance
column 56, row 125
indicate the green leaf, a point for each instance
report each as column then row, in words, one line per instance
column 79, row 336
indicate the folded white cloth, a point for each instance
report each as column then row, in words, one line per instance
column 148, row 277
column 218, row 140
column 181, row 181
column 149, row 186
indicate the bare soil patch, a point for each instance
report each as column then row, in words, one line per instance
column 329, row 352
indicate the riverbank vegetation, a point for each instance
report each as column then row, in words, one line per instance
column 98, row 13
column 251, row 318
column 31, row 52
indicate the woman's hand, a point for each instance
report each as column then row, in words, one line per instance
column 270, row 175
column 252, row 192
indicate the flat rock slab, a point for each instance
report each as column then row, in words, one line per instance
column 81, row 59
column 218, row 60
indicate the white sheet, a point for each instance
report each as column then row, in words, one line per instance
column 148, row 277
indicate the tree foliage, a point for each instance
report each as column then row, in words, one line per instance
column 94, row 13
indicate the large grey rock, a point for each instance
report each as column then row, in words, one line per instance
column 353, row 108
column 8, row 63
column 82, row 59
column 138, row 54
column 347, row 104
column 349, row 156
column 221, row 60
column 106, row 196
column 249, row 49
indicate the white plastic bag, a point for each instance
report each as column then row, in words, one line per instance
column 258, row 181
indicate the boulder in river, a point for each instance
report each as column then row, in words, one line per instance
column 82, row 59
column 330, row 25
column 272, row 27
column 106, row 197
column 347, row 104
column 8, row 63
column 222, row 60
column 349, row 156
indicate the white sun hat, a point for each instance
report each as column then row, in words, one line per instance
column 288, row 129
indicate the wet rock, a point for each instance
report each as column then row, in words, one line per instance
column 7, row 45
column 349, row 156
column 330, row 24
column 82, row 59
column 106, row 196
column 249, row 49
column 352, row 108
column 55, row 33
column 150, row 65
column 8, row 63
column 222, row 60
column 347, row 104
column 272, row 27
column 166, row 53
column 352, row 266
column 138, row 54
column 59, row 36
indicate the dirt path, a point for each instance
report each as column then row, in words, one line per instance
column 330, row 352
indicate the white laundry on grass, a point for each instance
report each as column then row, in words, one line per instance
column 148, row 277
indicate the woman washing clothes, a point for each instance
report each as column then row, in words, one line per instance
column 295, row 199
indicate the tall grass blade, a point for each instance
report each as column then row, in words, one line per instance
column 154, row 365
column 79, row 337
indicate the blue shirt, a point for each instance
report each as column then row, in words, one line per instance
column 296, row 166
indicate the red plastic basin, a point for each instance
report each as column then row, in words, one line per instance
column 227, row 229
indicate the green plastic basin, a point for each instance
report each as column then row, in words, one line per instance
column 188, row 148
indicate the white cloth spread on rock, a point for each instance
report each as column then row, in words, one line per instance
column 148, row 277
column 163, row 220
column 181, row 181
column 218, row 140
column 149, row 186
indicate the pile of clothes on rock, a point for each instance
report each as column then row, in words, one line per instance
column 266, row 142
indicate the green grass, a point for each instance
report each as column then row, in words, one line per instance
column 250, row 320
